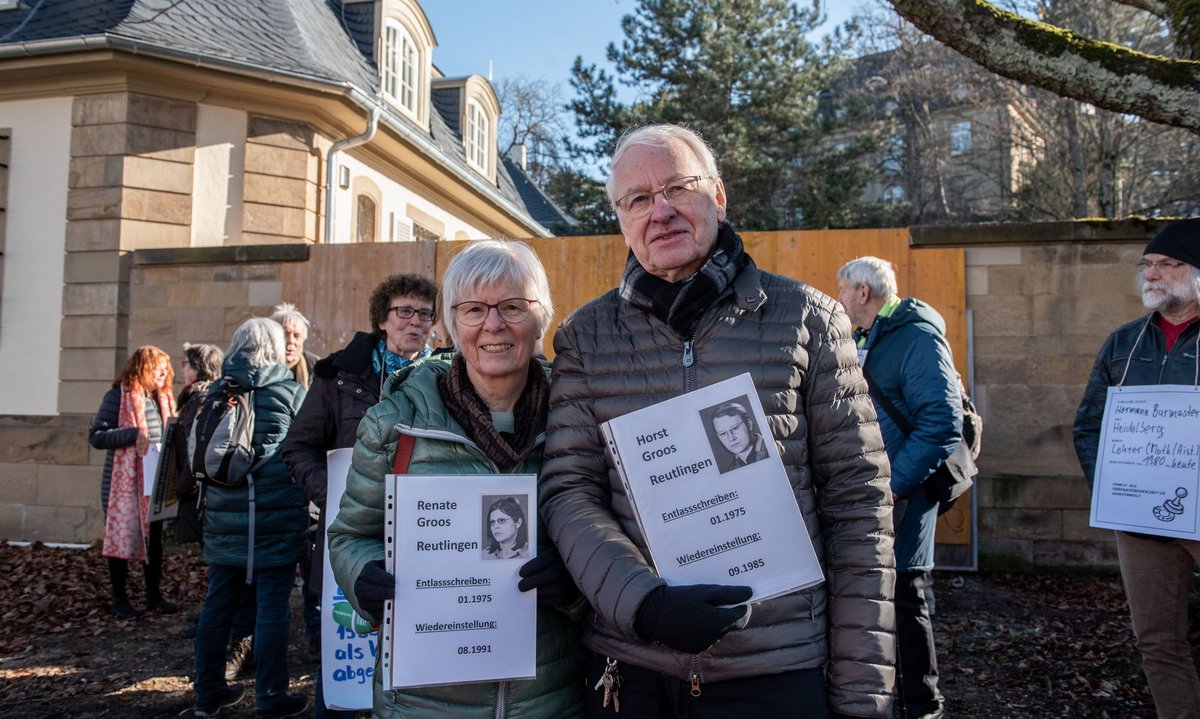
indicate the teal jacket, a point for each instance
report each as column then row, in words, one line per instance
column 281, row 509
column 412, row 404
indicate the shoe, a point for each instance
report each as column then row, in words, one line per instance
column 122, row 609
column 160, row 605
column 240, row 658
column 293, row 705
column 227, row 697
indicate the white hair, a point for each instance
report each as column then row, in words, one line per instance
column 877, row 274
column 286, row 313
column 661, row 136
column 488, row 262
column 261, row 340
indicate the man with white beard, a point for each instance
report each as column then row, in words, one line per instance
column 1161, row 348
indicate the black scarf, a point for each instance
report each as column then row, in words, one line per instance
column 468, row 409
column 682, row 304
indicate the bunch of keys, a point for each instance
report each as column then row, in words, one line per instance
column 611, row 681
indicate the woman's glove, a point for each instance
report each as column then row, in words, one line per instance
column 690, row 618
column 547, row 574
column 373, row 587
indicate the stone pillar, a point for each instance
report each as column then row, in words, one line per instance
column 130, row 188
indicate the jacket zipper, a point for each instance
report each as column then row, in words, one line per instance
column 689, row 349
column 695, row 675
column 501, row 700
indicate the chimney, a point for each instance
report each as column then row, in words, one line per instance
column 517, row 154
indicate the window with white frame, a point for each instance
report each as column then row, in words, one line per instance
column 893, row 195
column 401, row 73
column 960, row 138
column 477, row 136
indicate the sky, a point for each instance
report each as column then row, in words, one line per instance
column 538, row 39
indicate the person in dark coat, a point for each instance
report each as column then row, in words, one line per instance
column 1158, row 348
column 201, row 365
column 345, row 385
column 131, row 419
column 256, row 541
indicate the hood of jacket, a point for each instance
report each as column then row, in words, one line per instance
column 238, row 368
column 910, row 311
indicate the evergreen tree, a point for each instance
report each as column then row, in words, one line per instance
column 741, row 73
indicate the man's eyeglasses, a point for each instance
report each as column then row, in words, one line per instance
column 679, row 191
column 1161, row 265
column 732, row 431
column 472, row 314
column 405, row 312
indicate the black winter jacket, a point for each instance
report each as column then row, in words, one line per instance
column 105, row 434
column 1137, row 354
column 343, row 388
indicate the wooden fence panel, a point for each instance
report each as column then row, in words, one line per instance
column 333, row 287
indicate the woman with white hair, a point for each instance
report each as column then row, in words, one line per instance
column 481, row 411
column 254, row 534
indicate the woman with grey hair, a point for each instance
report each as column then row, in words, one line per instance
column 254, row 534
column 481, row 411
column 295, row 332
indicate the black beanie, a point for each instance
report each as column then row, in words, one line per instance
column 1180, row 239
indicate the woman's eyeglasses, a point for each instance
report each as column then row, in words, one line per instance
column 405, row 312
column 472, row 314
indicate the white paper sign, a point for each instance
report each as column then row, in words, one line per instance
column 1148, row 466
column 348, row 644
column 458, row 543
column 149, row 469
column 710, row 492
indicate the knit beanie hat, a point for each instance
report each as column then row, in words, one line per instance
column 1180, row 239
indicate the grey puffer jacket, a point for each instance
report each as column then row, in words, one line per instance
column 613, row 358
column 1140, row 346
column 412, row 404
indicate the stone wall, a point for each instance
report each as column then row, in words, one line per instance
column 1043, row 298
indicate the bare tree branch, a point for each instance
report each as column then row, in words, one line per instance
column 1154, row 7
column 1115, row 78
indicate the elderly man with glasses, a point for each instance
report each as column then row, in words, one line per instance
column 1158, row 348
column 346, row 384
column 692, row 310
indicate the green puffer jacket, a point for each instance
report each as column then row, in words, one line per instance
column 281, row 509
column 411, row 403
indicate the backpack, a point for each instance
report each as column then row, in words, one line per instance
column 220, row 448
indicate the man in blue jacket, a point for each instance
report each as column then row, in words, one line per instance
column 910, row 370
column 1158, row 348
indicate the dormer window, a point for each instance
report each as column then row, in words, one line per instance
column 478, row 132
column 401, row 67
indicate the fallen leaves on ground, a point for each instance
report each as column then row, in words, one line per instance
column 1009, row 645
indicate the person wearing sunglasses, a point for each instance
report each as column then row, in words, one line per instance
column 346, row 384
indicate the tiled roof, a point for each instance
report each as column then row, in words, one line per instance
column 541, row 207
column 321, row 40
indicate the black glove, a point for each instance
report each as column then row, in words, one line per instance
column 690, row 618
column 373, row 587
column 547, row 574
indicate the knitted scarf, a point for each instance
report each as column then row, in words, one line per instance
column 682, row 304
column 127, row 519
column 468, row 409
column 385, row 362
